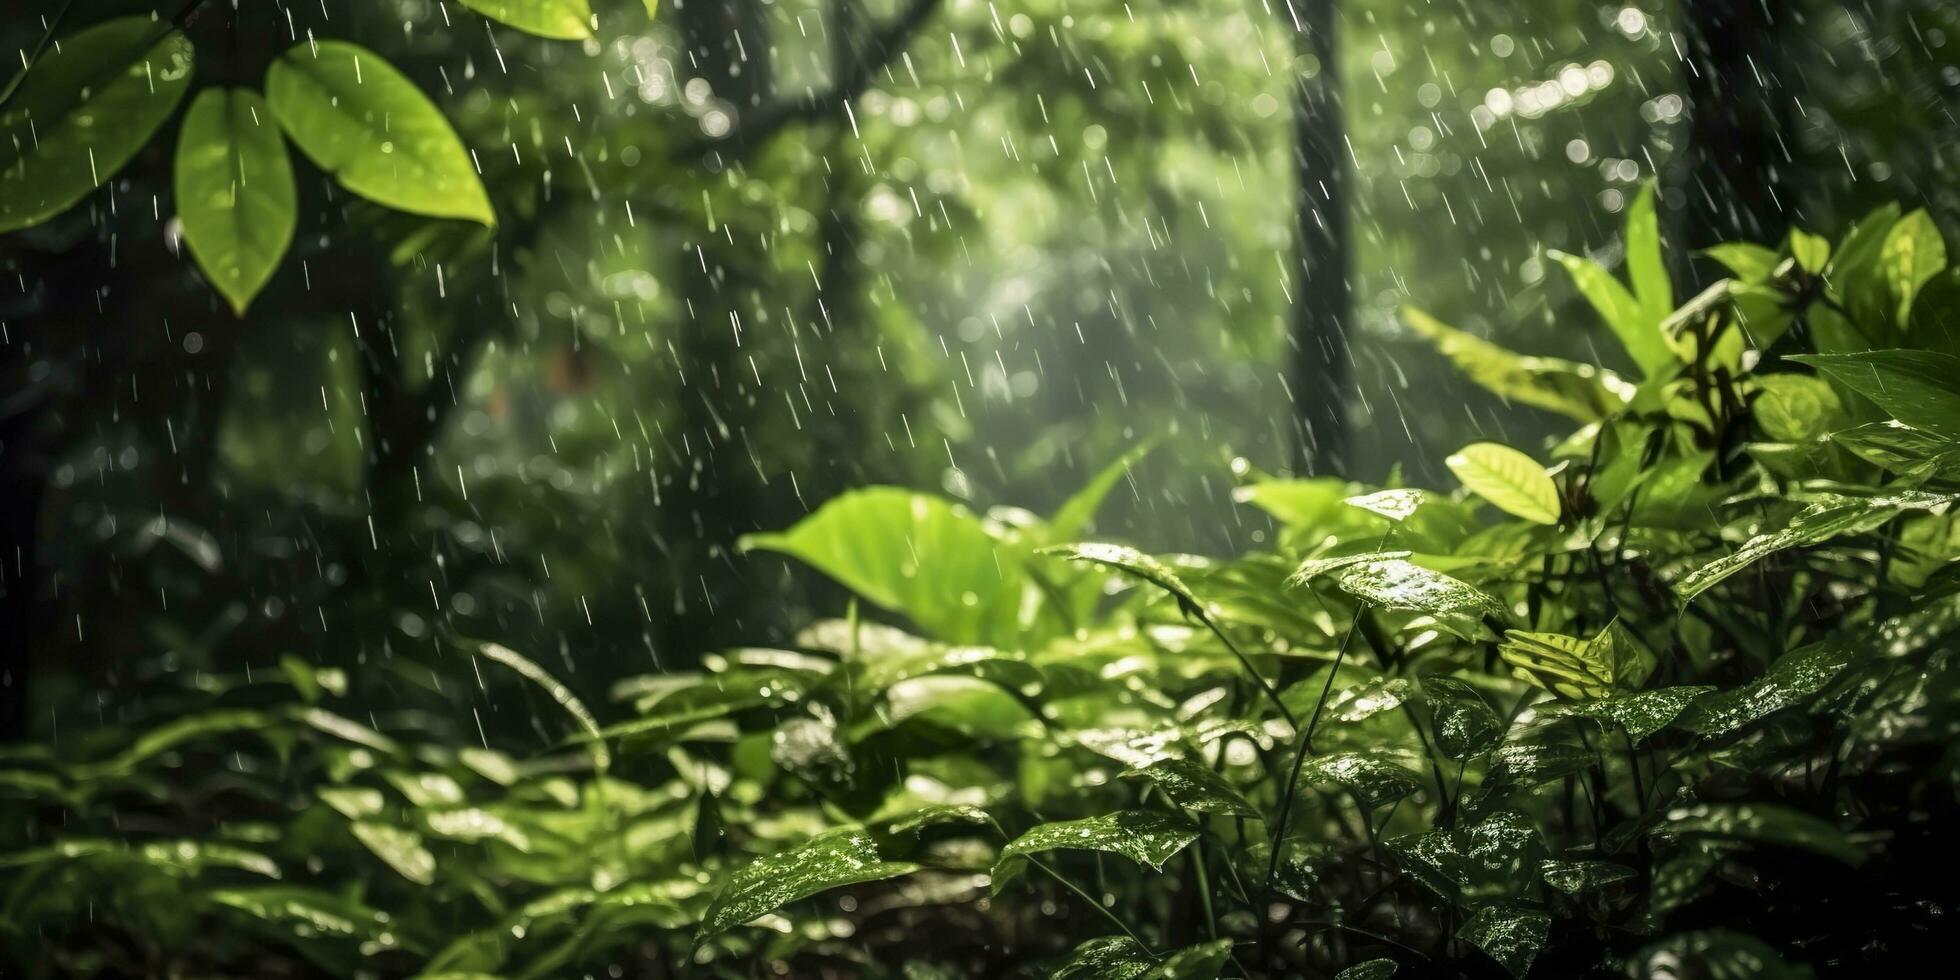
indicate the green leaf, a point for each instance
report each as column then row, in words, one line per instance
column 1762, row 823
column 1578, row 391
column 1914, row 386
column 1829, row 516
column 401, row 849
column 1913, row 253
column 1900, row 448
column 1640, row 714
column 1645, row 267
column 1513, row 482
column 559, row 693
column 1372, row 781
column 1394, row 583
column 1200, row 962
column 1749, row 262
column 1795, row 407
column 1613, row 660
column 1144, row 836
column 363, row 121
column 1812, row 252
column 1369, row 698
column 234, row 192
column 1580, row 877
column 1716, row 954
column 841, row 857
column 1378, row 969
column 90, row 102
column 1393, row 505
column 1638, row 332
column 1128, row 560
column 1195, row 787
column 1105, row 958
column 563, row 20
column 1080, row 508
column 1490, row 861
column 1309, row 503
column 1465, row 724
column 1794, row 677
column 935, row 562
column 1508, row 934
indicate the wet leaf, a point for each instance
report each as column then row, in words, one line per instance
column 1626, row 316
column 1510, row 935
column 564, row 20
column 1578, row 391
column 1640, row 714
column 1913, row 253
column 1368, row 970
column 1195, row 787
column 1913, row 386
column 1466, row 726
column 1580, row 877
column 1792, row 678
column 1147, row 837
column 833, row 860
column 401, row 849
column 1712, row 954
column 1762, row 823
column 1613, row 660
column 234, row 192
column 1513, row 482
column 1829, row 516
column 1372, row 780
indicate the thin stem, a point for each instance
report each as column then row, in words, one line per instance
column 1258, row 678
column 1098, row 905
column 34, row 57
column 1306, row 748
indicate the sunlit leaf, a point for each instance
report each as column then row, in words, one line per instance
column 1195, row 787
column 1145, row 836
column 1513, row 482
column 1914, row 386
column 1578, row 391
column 1792, row 678
column 1628, row 319
column 364, row 122
column 832, row 860
column 1639, row 714
column 1465, row 724
column 1508, row 934
column 1372, row 780
column 1580, row 877
column 565, row 20
column 1828, row 516
column 1913, row 253
column 401, row 849
column 1763, row 823
column 234, row 191
column 1613, row 660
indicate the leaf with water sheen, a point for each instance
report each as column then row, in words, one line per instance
column 833, row 860
column 1147, row 837
column 1378, row 969
column 1395, row 583
column 401, row 849
column 1914, row 386
column 1508, row 934
column 361, row 120
column 1763, row 823
column 1465, row 724
column 1475, row 865
column 234, row 191
column 1717, row 954
column 1828, row 516
column 1372, row 780
column 1912, row 254
column 91, row 101
column 1512, row 481
column 1613, row 660
column 1195, row 787
column 563, row 20
column 1640, row 714
column 1579, row 877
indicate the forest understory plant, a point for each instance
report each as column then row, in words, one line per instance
column 1673, row 696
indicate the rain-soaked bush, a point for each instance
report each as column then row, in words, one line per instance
column 1673, row 696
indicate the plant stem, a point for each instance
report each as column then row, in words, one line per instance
column 1306, row 748
column 1096, row 903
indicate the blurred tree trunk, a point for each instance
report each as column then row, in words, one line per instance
column 1737, row 159
column 1321, row 374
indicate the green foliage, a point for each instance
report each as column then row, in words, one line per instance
column 234, row 191
column 1700, row 658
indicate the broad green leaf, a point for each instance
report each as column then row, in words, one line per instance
column 1629, row 320
column 1749, row 262
column 365, row 123
column 1914, row 386
column 1513, row 482
column 1795, row 407
column 1646, row 270
column 973, row 708
column 1762, row 823
column 1130, row 561
column 166, row 737
column 1579, row 877
column 564, row 20
column 321, row 912
column 1308, row 503
column 1394, row 583
column 1900, row 448
column 90, row 102
column 1394, row 505
column 884, row 669
column 234, row 192
column 1716, row 954
column 1613, row 660
column 841, row 857
column 1314, row 568
column 1578, row 391
column 1372, row 697
column 1829, row 516
column 1510, row 935
column 1379, row 969
column 1200, row 962
column 1195, row 787
column 353, row 802
column 1080, row 508
column 1812, row 252
column 1792, row 678
column 1913, row 253
column 1465, row 724
column 1640, row 714
column 1487, row 862
column 1105, row 958
column 401, row 849
column 947, row 570
column 1144, row 836
column 1372, row 780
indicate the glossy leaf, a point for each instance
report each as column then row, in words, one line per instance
column 1646, row 269
column 1580, row 877
column 1628, row 319
column 1828, row 516
column 90, row 102
column 1763, row 823
column 235, row 192
column 1717, row 954
column 1914, row 386
column 1577, row 391
column 833, row 860
column 1513, row 482
column 361, row 120
column 1489, row 861
column 1373, row 781
column 1913, row 253
column 1640, row 714
column 1466, row 726
column 1792, row 678
column 1613, row 660
column 401, row 849
column 1144, row 836
column 1394, row 583
column 1195, row 787
column 564, row 20
column 1508, row 934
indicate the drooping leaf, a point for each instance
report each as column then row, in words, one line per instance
column 1394, row 583
column 1466, row 726
column 1914, row 386
column 1828, row 516
column 1625, row 315
column 1195, row 787
column 1144, row 836
column 1913, row 253
column 89, row 103
column 1511, row 935
column 1578, row 391
column 1763, row 823
column 1639, row 714
column 1613, row 660
column 1105, row 958
column 401, row 849
column 1580, row 877
column 1372, row 780
column 1130, row 561
column 361, row 120
column 832, row 860
column 1792, row 678
column 1513, row 482
column 564, row 20
column 559, row 693
column 919, row 555
column 1901, row 449
column 235, row 192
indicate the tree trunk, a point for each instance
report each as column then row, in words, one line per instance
column 1321, row 374
column 1737, row 163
